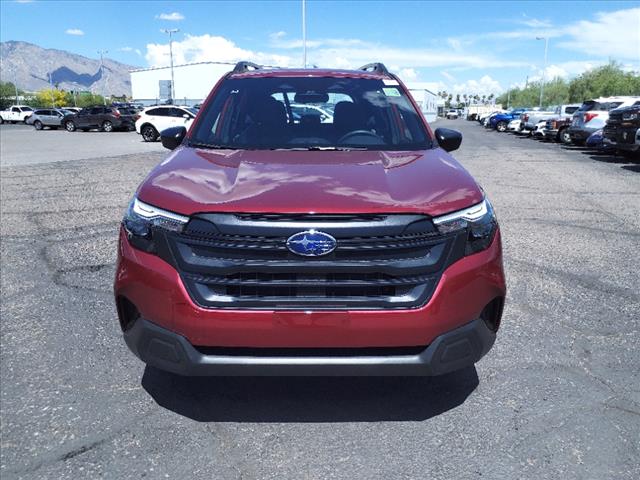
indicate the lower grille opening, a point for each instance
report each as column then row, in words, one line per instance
column 127, row 313
column 492, row 313
column 313, row 291
column 311, row 352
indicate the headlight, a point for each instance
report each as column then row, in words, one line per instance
column 479, row 221
column 629, row 116
column 141, row 219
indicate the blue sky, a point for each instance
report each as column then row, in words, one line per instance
column 458, row 46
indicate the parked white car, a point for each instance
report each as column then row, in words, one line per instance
column 514, row 125
column 155, row 119
column 16, row 113
column 452, row 114
column 538, row 129
column 301, row 110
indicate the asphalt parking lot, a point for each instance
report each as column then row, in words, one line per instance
column 21, row 145
column 557, row 397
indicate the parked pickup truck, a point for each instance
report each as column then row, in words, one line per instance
column 556, row 129
column 560, row 111
column 16, row 113
column 622, row 130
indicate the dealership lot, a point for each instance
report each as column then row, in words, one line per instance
column 21, row 145
column 557, row 396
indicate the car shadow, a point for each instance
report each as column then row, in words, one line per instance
column 607, row 157
column 309, row 399
column 632, row 168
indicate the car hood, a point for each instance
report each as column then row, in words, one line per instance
column 192, row 180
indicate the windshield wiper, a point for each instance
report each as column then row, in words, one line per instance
column 318, row 148
column 211, row 146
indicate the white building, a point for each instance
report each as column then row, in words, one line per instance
column 193, row 82
column 425, row 98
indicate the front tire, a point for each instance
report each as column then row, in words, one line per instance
column 38, row 125
column 501, row 126
column 70, row 126
column 1, row 120
column 107, row 126
column 149, row 133
column 564, row 137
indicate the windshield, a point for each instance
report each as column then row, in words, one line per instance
column 310, row 113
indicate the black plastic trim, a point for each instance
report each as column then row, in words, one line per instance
column 172, row 352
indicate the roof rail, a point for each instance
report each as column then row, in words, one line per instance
column 376, row 68
column 243, row 67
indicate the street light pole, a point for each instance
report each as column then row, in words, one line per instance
column 53, row 103
column 546, row 47
column 304, row 34
column 102, row 52
column 171, row 32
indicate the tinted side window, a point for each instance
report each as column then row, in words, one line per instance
column 611, row 105
column 177, row 112
column 42, row 112
column 96, row 110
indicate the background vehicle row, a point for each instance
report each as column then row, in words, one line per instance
column 606, row 123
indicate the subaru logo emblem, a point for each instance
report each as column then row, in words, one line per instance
column 311, row 243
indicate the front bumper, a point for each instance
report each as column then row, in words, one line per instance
column 581, row 133
column 169, row 351
column 627, row 139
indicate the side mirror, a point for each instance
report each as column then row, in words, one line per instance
column 186, row 116
column 448, row 139
column 172, row 137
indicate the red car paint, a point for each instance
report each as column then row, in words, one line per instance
column 193, row 180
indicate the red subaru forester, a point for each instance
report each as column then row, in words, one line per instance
column 310, row 223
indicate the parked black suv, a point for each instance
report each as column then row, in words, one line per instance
column 104, row 118
column 622, row 131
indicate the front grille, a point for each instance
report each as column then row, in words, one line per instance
column 619, row 134
column 242, row 261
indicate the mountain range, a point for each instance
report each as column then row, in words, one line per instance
column 29, row 66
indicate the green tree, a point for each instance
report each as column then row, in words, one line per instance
column 52, row 97
column 604, row 81
column 7, row 94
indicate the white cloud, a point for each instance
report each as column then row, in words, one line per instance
column 131, row 49
column 615, row 34
column 534, row 22
column 203, row 48
column 448, row 76
column 408, row 74
column 277, row 35
column 484, row 86
column 74, row 31
column 172, row 17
